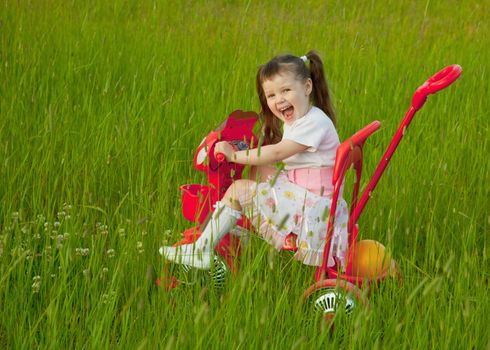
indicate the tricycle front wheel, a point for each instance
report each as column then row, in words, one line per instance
column 327, row 297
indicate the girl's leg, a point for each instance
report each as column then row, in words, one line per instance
column 262, row 173
column 226, row 213
column 239, row 194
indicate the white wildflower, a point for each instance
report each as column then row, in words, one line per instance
column 108, row 297
column 101, row 228
column 36, row 284
column 111, row 253
column 67, row 207
column 139, row 247
column 82, row 251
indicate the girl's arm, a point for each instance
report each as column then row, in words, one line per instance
column 269, row 154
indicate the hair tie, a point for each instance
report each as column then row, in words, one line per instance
column 304, row 58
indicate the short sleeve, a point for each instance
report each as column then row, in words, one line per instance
column 308, row 131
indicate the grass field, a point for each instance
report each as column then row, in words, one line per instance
column 102, row 104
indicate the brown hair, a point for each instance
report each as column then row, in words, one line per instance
column 290, row 63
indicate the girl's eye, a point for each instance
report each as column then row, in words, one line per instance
column 270, row 96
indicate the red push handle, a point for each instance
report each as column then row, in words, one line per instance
column 435, row 83
column 444, row 78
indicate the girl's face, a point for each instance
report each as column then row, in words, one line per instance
column 287, row 98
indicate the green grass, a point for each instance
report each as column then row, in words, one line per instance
column 102, row 105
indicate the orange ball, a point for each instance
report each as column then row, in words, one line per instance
column 370, row 259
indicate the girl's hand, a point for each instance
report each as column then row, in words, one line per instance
column 225, row 148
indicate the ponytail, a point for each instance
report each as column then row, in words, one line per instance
column 321, row 93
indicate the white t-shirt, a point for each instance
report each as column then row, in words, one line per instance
column 317, row 131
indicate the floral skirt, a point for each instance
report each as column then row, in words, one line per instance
column 281, row 207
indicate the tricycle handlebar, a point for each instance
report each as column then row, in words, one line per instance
column 220, row 157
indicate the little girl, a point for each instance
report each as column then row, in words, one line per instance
column 292, row 91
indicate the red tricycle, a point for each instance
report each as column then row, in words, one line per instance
column 367, row 261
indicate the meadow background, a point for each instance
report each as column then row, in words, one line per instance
column 102, row 104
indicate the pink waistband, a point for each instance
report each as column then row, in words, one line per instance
column 316, row 180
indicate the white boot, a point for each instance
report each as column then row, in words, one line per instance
column 200, row 253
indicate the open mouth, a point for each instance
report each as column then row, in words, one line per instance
column 287, row 112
